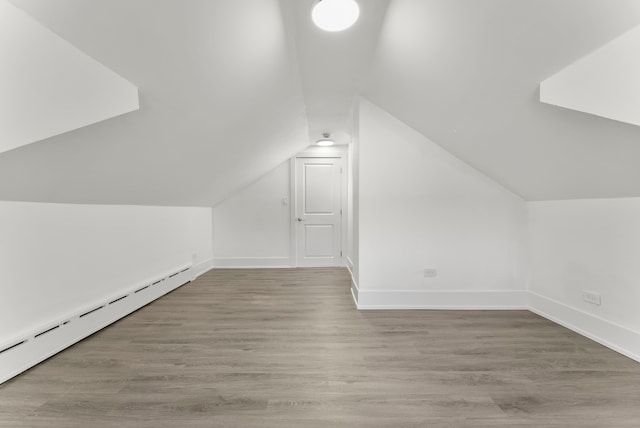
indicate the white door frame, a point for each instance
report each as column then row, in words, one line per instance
column 339, row 152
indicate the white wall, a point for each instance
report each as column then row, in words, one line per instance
column 589, row 245
column 420, row 207
column 353, row 200
column 56, row 259
column 351, row 180
column 253, row 226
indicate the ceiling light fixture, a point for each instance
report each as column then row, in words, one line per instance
column 335, row 15
column 326, row 140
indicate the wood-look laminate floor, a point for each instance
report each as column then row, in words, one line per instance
column 287, row 348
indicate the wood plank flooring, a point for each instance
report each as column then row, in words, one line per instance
column 287, row 348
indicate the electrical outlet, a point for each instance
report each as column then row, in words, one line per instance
column 430, row 272
column 591, row 297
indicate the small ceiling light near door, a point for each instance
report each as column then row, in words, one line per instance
column 335, row 15
column 326, row 140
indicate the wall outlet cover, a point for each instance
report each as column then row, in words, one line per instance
column 430, row 272
column 591, row 297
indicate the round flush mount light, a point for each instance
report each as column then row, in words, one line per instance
column 335, row 15
column 326, row 140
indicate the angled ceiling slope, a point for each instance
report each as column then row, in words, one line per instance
column 220, row 104
column 332, row 66
column 605, row 83
column 48, row 86
column 466, row 74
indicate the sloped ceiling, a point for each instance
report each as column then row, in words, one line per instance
column 332, row 65
column 465, row 73
column 605, row 83
column 231, row 88
column 220, row 103
column 48, row 86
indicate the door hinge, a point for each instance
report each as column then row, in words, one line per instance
column 340, row 211
column 340, row 170
column 340, row 253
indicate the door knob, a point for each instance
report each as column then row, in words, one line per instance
column 299, row 219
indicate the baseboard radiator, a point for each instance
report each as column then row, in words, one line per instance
column 25, row 352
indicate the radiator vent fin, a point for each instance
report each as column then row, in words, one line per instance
column 184, row 270
column 157, row 282
column 171, row 276
column 118, row 299
column 140, row 289
column 12, row 346
column 46, row 331
column 91, row 311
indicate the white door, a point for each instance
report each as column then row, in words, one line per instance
column 318, row 211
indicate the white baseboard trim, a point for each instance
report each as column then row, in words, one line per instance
column 445, row 300
column 202, row 268
column 252, row 262
column 355, row 291
column 26, row 351
column 607, row 333
column 349, row 263
column 354, row 294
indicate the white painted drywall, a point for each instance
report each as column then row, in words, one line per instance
column 353, row 199
column 253, row 226
column 56, row 259
column 349, row 210
column 49, row 86
column 590, row 245
column 604, row 83
column 420, row 207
